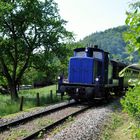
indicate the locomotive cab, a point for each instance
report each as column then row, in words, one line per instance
column 87, row 66
column 87, row 73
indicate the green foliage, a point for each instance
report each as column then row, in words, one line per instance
column 131, row 102
column 8, row 106
column 135, row 130
column 114, row 122
column 70, row 118
column 109, row 40
column 30, row 76
column 53, row 63
column 132, row 35
column 26, row 27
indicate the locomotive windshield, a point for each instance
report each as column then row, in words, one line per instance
column 80, row 54
column 98, row 55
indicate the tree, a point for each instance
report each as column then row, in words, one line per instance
column 132, row 36
column 131, row 102
column 53, row 62
column 25, row 27
column 109, row 40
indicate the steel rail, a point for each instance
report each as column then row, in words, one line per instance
column 33, row 116
column 51, row 126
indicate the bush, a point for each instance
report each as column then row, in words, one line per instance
column 131, row 104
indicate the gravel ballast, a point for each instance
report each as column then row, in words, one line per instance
column 88, row 125
column 37, row 124
column 29, row 112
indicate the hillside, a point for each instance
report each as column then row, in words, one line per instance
column 110, row 40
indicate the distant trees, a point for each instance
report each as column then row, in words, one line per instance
column 53, row 63
column 109, row 40
column 47, row 67
column 27, row 26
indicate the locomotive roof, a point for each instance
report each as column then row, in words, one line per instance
column 89, row 49
column 119, row 63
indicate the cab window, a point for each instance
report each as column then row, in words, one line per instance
column 80, row 54
column 97, row 69
column 98, row 55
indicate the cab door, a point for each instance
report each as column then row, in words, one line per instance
column 98, row 71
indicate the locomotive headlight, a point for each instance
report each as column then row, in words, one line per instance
column 58, row 77
column 96, row 79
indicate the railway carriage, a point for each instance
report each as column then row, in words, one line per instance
column 92, row 75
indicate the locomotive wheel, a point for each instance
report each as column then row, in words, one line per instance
column 107, row 96
column 78, row 100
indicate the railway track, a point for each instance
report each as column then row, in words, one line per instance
column 32, row 126
column 9, row 124
column 54, row 124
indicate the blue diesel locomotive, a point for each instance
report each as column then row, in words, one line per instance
column 92, row 75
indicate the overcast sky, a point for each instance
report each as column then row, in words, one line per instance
column 88, row 16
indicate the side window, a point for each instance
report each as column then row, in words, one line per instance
column 97, row 69
column 110, row 69
column 115, row 71
column 98, row 55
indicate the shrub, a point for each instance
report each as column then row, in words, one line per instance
column 131, row 102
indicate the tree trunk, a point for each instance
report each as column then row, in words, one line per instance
column 13, row 91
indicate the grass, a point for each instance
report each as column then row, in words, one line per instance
column 118, row 127
column 8, row 107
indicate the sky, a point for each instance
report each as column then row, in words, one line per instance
column 85, row 17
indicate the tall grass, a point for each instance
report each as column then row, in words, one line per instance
column 8, row 107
